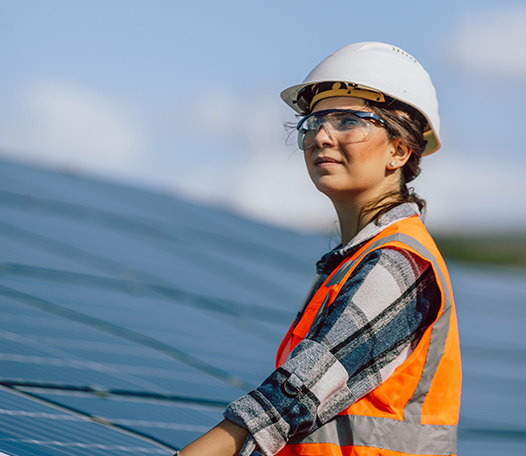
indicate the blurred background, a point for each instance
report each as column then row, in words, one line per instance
column 184, row 97
column 142, row 148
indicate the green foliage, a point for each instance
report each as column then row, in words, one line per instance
column 503, row 249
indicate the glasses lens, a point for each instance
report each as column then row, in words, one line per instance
column 348, row 127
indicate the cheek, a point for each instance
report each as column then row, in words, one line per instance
column 370, row 161
column 368, row 154
column 307, row 156
column 378, row 151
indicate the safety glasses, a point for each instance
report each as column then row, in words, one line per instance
column 351, row 126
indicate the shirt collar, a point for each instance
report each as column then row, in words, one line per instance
column 399, row 212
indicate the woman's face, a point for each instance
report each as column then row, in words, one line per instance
column 341, row 169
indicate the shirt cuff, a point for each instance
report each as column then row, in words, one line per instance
column 248, row 447
column 254, row 413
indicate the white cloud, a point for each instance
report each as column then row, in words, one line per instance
column 249, row 166
column 72, row 127
column 233, row 152
column 267, row 180
column 465, row 194
column 492, row 42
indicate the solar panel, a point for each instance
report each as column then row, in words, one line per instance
column 123, row 313
column 29, row 427
column 130, row 319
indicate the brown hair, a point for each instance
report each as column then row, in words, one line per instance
column 401, row 121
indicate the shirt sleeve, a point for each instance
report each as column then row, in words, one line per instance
column 372, row 326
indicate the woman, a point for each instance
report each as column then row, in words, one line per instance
column 371, row 365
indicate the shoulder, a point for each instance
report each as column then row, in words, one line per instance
column 402, row 265
column 386, row 276
column 389, row 285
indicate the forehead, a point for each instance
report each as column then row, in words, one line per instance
column 357, row 104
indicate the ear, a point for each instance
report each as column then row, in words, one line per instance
column 399, row 154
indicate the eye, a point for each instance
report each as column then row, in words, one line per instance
column 312, row 123
column 346, row 121
column 350, row 122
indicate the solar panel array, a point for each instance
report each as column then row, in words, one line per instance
column 129, row 319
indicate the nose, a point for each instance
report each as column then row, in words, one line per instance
column 323, row 136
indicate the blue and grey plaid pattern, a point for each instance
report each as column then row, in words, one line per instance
column 371, row 328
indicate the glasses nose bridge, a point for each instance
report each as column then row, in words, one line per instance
column 312, row 134
column 326, row 124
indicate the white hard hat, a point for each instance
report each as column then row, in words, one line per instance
column 371, row 70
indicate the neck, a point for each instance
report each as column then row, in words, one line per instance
column 351, row 220
column 353, row 215
column 358, row 208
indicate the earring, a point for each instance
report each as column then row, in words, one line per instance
column 391, row 164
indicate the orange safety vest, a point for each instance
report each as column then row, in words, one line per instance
column 415, row 411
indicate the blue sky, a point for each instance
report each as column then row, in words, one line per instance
column 184, row 97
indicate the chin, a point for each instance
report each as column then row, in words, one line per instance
column 330, row 186
column 331, row 192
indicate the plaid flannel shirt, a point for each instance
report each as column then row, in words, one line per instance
column 372, row 327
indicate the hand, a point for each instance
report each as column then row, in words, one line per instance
column 226, row 439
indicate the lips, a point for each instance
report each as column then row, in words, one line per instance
column 323, row 160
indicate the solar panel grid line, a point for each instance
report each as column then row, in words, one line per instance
column 45, row 428
column 488, row 432
column 66, row 448
column 66, row 368
column 172, row 293
column 19, row 252
column 128, row 335
column 57, row 362
column 94, row 192
column 92, row 346
column 70, row 448
column 171, row 426
column 166, row 422
column 258, row 313
column 163, row 425
column 110, row 370
column 166, row 287
column 167, row 207
column 64, row 359
column 101, row 420
column 148, row 231
column 96, row 301
column 23, row 235
column 167, row 426
column 161, row 209
column 25, row 337
column 50, row 416
column 125, row 271
column 34, row 434
column 208, row 391
column 40, row 386
column 11, row 184
column 86, row 417
column 137, row 407
column 168, row 230
column 243, row 277
column 34, row 183
column 223, row 268
column 102, row 347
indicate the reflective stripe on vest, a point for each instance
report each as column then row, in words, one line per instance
column 351, row 433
